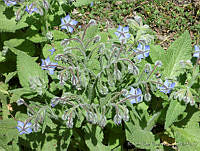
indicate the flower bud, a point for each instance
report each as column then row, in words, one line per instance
column 158, row 63
column 20, row 102
column 45, row 4
column 117, row 74
column 147, row 96
column 102, row 122
column 148, row 68
column 126, row 115
column 54, row 101
column 49, row 35
column 70, row 123
column 117, row 119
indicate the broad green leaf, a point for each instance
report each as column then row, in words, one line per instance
column 187, row 138
column 140, row 138
column 59, row 35
column 181, row 49
column 10, row 25
column 151, row 123
column 157, row 53
column 37, row 38
column 27, row 68
column 174, row 110
column 94, row 137
column 8, row 132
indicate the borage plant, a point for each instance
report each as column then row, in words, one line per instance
column 98, row 90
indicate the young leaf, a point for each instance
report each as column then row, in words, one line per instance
column 181, row 49
column 174, row 110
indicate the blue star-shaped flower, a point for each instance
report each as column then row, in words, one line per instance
column 24, row 129
column 10, row 2
column 67, row 23
column 167, row 87
column 135, row 95
column 30, row 9
column 142, row 51
column 52, row 50
column 48, row 65
column 123, row 33
column 197, row 52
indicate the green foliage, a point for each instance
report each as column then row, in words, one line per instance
column 84, row 105
column 174, row 110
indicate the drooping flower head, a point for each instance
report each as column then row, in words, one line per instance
column 197, row 52
column 142, row 51
column 123, row 33
column 24, row 128
column 167, row 87
column 48, row 65
column 31, row 8
column 10, row 2
column 135, row 95
column 68, row 24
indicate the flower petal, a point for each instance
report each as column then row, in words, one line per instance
column 196, row 48
column 133, row 101
column 126, row 29
column 28, row 130
column 147, row 47
column 19, row 129
column 21, row 124
column 70, row 29
column 140, row 47
column 67, row 19
column 119, row 29
column 73, row 22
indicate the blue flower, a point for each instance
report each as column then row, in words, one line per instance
column 142, row 51
column 197, row 52
column 91, row 4
column 24, row 128
column 48, row 65
column 166, row 88
column 52, row 50
column 10, row 2
column 67, row 23
column 135, row 95
column 30, row 9
column 123, row 33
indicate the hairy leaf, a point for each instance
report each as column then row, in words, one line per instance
column 174, row 110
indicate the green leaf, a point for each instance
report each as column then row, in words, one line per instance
column 37, row 38
column 181, row 49
column 94, row 137
column 140, row 138
column 187, row 138
column 151, row 123
column 79, row 3
column 10, row 25
column 174, row 110
column 27, row 68
column 59, row 35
